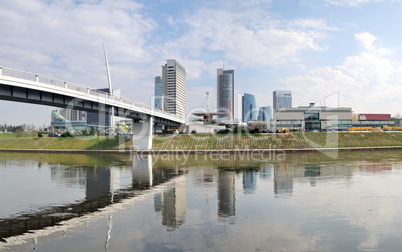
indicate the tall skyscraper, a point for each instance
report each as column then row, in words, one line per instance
column 249, row 108
column 264, row 114
column 174, row 88
column 282, row 99
column 158, row 92
column 225, row 92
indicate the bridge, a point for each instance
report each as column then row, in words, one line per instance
column 20, row 86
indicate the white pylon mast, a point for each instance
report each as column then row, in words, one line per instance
column 110, row 87
column 207, row 102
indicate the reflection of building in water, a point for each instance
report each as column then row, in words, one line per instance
column 284, row 174
column 376, row 167
column 67, row 176
column 142, row 172
column 174, row 207
column 266, row 171
column 104, row 186
column 226, row 194
column 283, row 179
column 249, row 181
column 98, row 182
column 171, row 204
column 146, row 176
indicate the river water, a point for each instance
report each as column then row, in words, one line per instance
column 346, row 201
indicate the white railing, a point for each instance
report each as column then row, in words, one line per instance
column 72, row 86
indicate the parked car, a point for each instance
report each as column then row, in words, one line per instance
column 53, row 134
column 264, row 131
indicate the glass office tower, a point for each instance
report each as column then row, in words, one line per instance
column 158, row 92
column 282, row 99
column 265, row 114
column 249, row 108
column 225, row 93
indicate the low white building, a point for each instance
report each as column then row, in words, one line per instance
column 311, row 118
column 201, row 128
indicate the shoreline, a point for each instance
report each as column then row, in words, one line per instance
column 201, row 152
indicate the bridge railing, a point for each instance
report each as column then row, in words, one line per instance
column 18, row 74
column 72, row 86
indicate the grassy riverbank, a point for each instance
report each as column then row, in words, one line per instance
column 212, row 142
column 277, row 141
column 67, row 143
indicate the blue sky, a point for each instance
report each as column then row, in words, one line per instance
column 314, row 48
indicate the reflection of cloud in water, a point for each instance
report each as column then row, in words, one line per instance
column 371, row 207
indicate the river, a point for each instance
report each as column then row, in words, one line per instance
column 346, row 201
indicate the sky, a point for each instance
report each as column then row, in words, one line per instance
column 332, row 52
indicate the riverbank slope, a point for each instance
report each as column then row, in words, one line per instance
column 214, row 142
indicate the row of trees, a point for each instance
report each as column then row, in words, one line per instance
column 16, row 128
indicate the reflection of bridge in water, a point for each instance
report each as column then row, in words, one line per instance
column 101, row 190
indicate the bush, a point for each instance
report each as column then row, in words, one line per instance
column 66, row 134
column 85, row 132
column 92, row 132
column 40, row 135
column 255, row 131
column 236, row 129
column 223, row 131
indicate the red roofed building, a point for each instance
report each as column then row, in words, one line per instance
column 374, row 117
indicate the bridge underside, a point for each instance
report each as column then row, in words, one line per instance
column 142, row 123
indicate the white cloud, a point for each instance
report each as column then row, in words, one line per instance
column 353, row 3
column 250, row 37
column 364, row 81
column 366, row 39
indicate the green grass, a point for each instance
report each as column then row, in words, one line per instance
column 277, row 141
column 67, row 143
column 211, row 142
column 26, row 134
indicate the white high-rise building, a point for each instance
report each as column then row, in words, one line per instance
column 174, row 88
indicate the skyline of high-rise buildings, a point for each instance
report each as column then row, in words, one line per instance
column 174, row 88
column 225, row 93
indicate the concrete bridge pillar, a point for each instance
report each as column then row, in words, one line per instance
column 142, row 133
